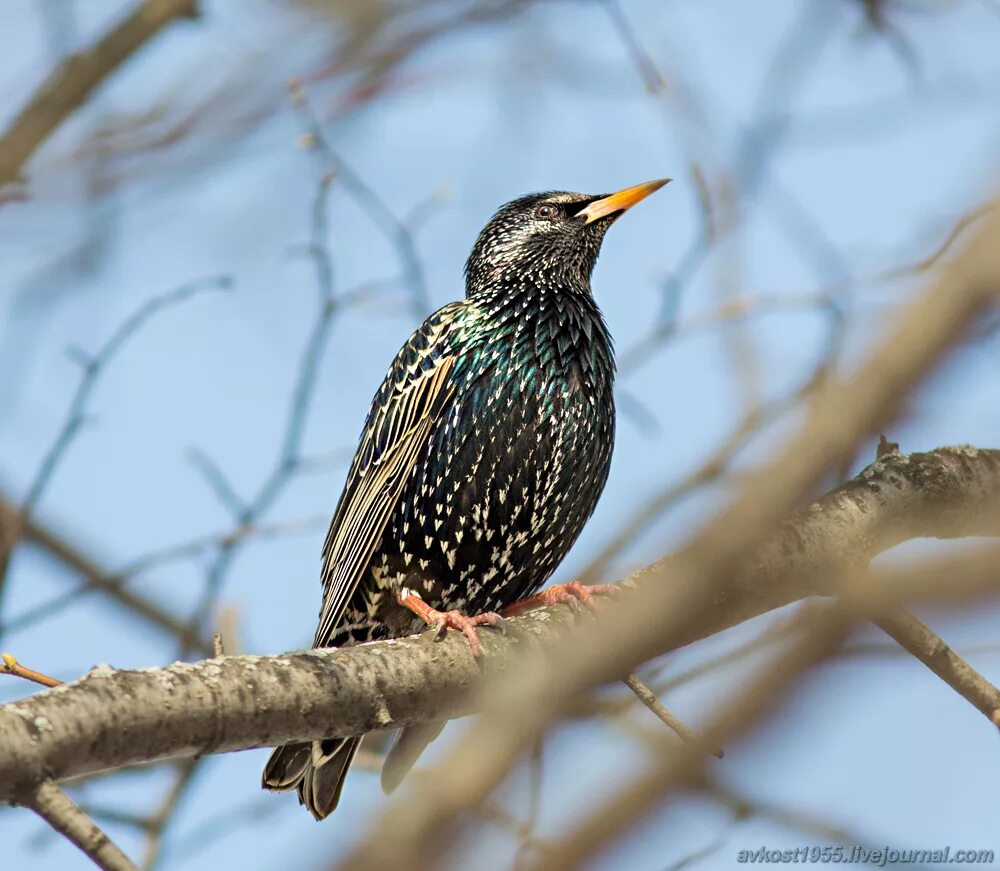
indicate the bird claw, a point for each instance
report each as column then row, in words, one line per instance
column 467, row 626
column 442, row 621
column 574, row 594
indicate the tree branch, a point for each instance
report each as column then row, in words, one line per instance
column 31, row 531
column 72, row 83
column 649, row 699
column 12, row 667
column 59, row 811
column 928, row 647
column 111, row 719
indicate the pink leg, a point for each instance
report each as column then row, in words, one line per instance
column 572, row 594
column 444, row 620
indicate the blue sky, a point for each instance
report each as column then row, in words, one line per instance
column 882, row 155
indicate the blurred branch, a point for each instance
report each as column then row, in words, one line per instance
column 726, row 189
column 286, row 464
column 217, row 481
column 934, row 258
column 745, row 807
column 394, row 229
column 650, row 74
column 56, row 808
column 70, row 85
column 736, row 309
column 206, row 707
column 155, row 824
column 94, row 366
column 711, row 469
column 95, row 577
column 820, row 635
column 820, row 632
column 17, row 523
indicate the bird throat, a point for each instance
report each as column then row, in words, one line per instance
column 558, row 333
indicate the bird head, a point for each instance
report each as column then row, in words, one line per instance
column 550, row 238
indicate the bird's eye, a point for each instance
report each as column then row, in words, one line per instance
column 546, row 211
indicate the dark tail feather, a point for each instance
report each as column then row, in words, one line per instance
column 317, row 770
column 409, row 744
column 285, row 767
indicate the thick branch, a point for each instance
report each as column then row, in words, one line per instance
column 114, row 718
column 950, row 492
column 110, row 718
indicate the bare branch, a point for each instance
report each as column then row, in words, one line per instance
column 13, row 667
column 649, row 699
column 69, row 86
column 94, row 366
column 243, row 701
column 651, row 76
column 820, row 635
column 927, row 646
column 285, row 465
column 14, row 523
column 395, row 230
column 217, row 481
column 56, row 808
column 155, row 825
column 95, row 576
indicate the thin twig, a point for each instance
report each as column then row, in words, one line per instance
column 95, row 365
column 744, row 807
column 651, row 76
column 13, row 667
column 96, row 579
column 378, row 210
column 933, row 259
column 649, row 699
column 14, row 526
column 156, row 824
column 303, row 394
column 217, row 481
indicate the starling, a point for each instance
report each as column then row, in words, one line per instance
column 482, row 457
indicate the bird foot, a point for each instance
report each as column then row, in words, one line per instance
column 573, row 594
column 442, row 621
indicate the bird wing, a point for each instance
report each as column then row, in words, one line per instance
column 404, row 410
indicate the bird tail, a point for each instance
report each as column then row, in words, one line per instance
column 317, row 770
column 409, row 744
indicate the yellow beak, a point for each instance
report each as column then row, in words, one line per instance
column 620, row 201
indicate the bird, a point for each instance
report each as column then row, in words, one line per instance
column 483, row 454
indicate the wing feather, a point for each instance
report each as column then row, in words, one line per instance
column 403, row 414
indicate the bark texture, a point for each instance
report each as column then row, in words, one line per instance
column 112, row 718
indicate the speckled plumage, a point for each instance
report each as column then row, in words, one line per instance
column 483, row 454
